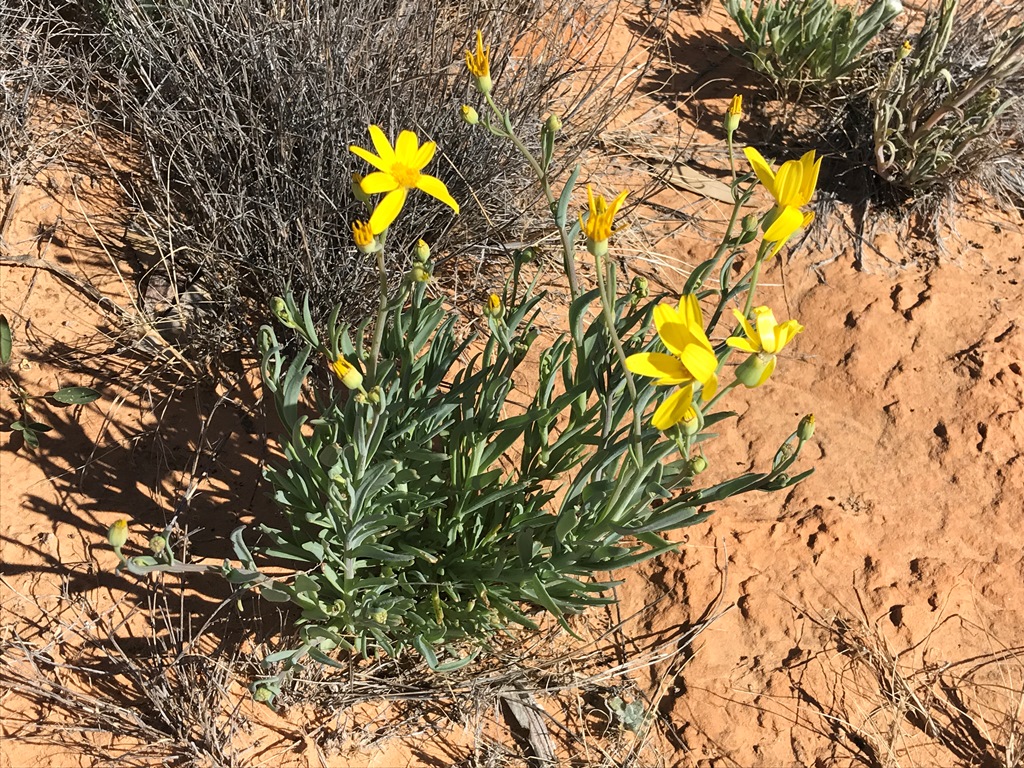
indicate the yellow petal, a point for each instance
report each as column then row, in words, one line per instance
column 788, row 183
column 764, row 322
column 665, row 368
column 810, row 179
column 387, row 210
column 406, row 148
column 786, row 223
column 675, row 408
column 671, row 329
column 382, row 145
column 436, row 188
column 764, row 171
column 692, row 317
column 785, row 333
column 369, row 157
column 378, row 182
column 700, row 362
column 709, row 387
column 424, row 155
column 747, row 327
column 744, row 345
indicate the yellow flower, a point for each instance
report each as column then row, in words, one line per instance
column 692, row 359
column 348, row 373
column 363, row 235
column 764, row 340
column 735, row 113
column 479, row 65
column 398, row 171
column 792, row 187
column 598, row 226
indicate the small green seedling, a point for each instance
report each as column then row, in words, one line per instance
column 26, row 425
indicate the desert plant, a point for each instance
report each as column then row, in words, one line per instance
column 944, row 113
column 421, row 507
column 807, row 42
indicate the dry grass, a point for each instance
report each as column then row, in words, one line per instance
column 883, row 704
column 240, row 114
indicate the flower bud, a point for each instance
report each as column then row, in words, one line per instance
column 280, row 310
column 698, row 464
column 363, row 235
column 734, row 114
column 262, row 694
column 553, row 123
column 904, row 50
column 638, row 289
column 806, row 429
column 117, row 534
column 495, row 308
column 348, row 373
column 749, row 223
column 422, row 252
column 157, row 544
column 419, row 273
column 469, row 115
column 691, row 425
column 380, row 616
column 357, row 189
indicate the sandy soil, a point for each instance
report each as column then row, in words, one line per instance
column 903, row 551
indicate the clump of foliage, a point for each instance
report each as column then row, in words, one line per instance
column 948, row 110
column 808, row 42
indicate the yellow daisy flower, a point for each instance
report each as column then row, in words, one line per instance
column 691, row 359
column 598, row 226
column 399, row 169
column 792, row 187
column 764, row 340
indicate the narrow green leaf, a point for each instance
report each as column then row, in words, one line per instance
column 6, row 341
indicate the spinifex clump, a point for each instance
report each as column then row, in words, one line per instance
column 422, row 507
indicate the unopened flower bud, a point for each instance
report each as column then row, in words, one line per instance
column 422, row 251
column 357, row 189
column 157, row 544
column 363, row 235
column 806, row 429
column 262, row 694
column 280, row 310
column 698, row 464
column 553, row 123
column 469, row 115
column 691, row 425
column 749, row 223
column 419, row 274
column 638, row 289
column 348, row 373
column 117, row 534
column 380, row 616
column 495, row 308
column 734, row 114
column 904, row 50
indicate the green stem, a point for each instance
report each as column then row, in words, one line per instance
column 608, row 315
column 568, row 251
column 382, row 316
